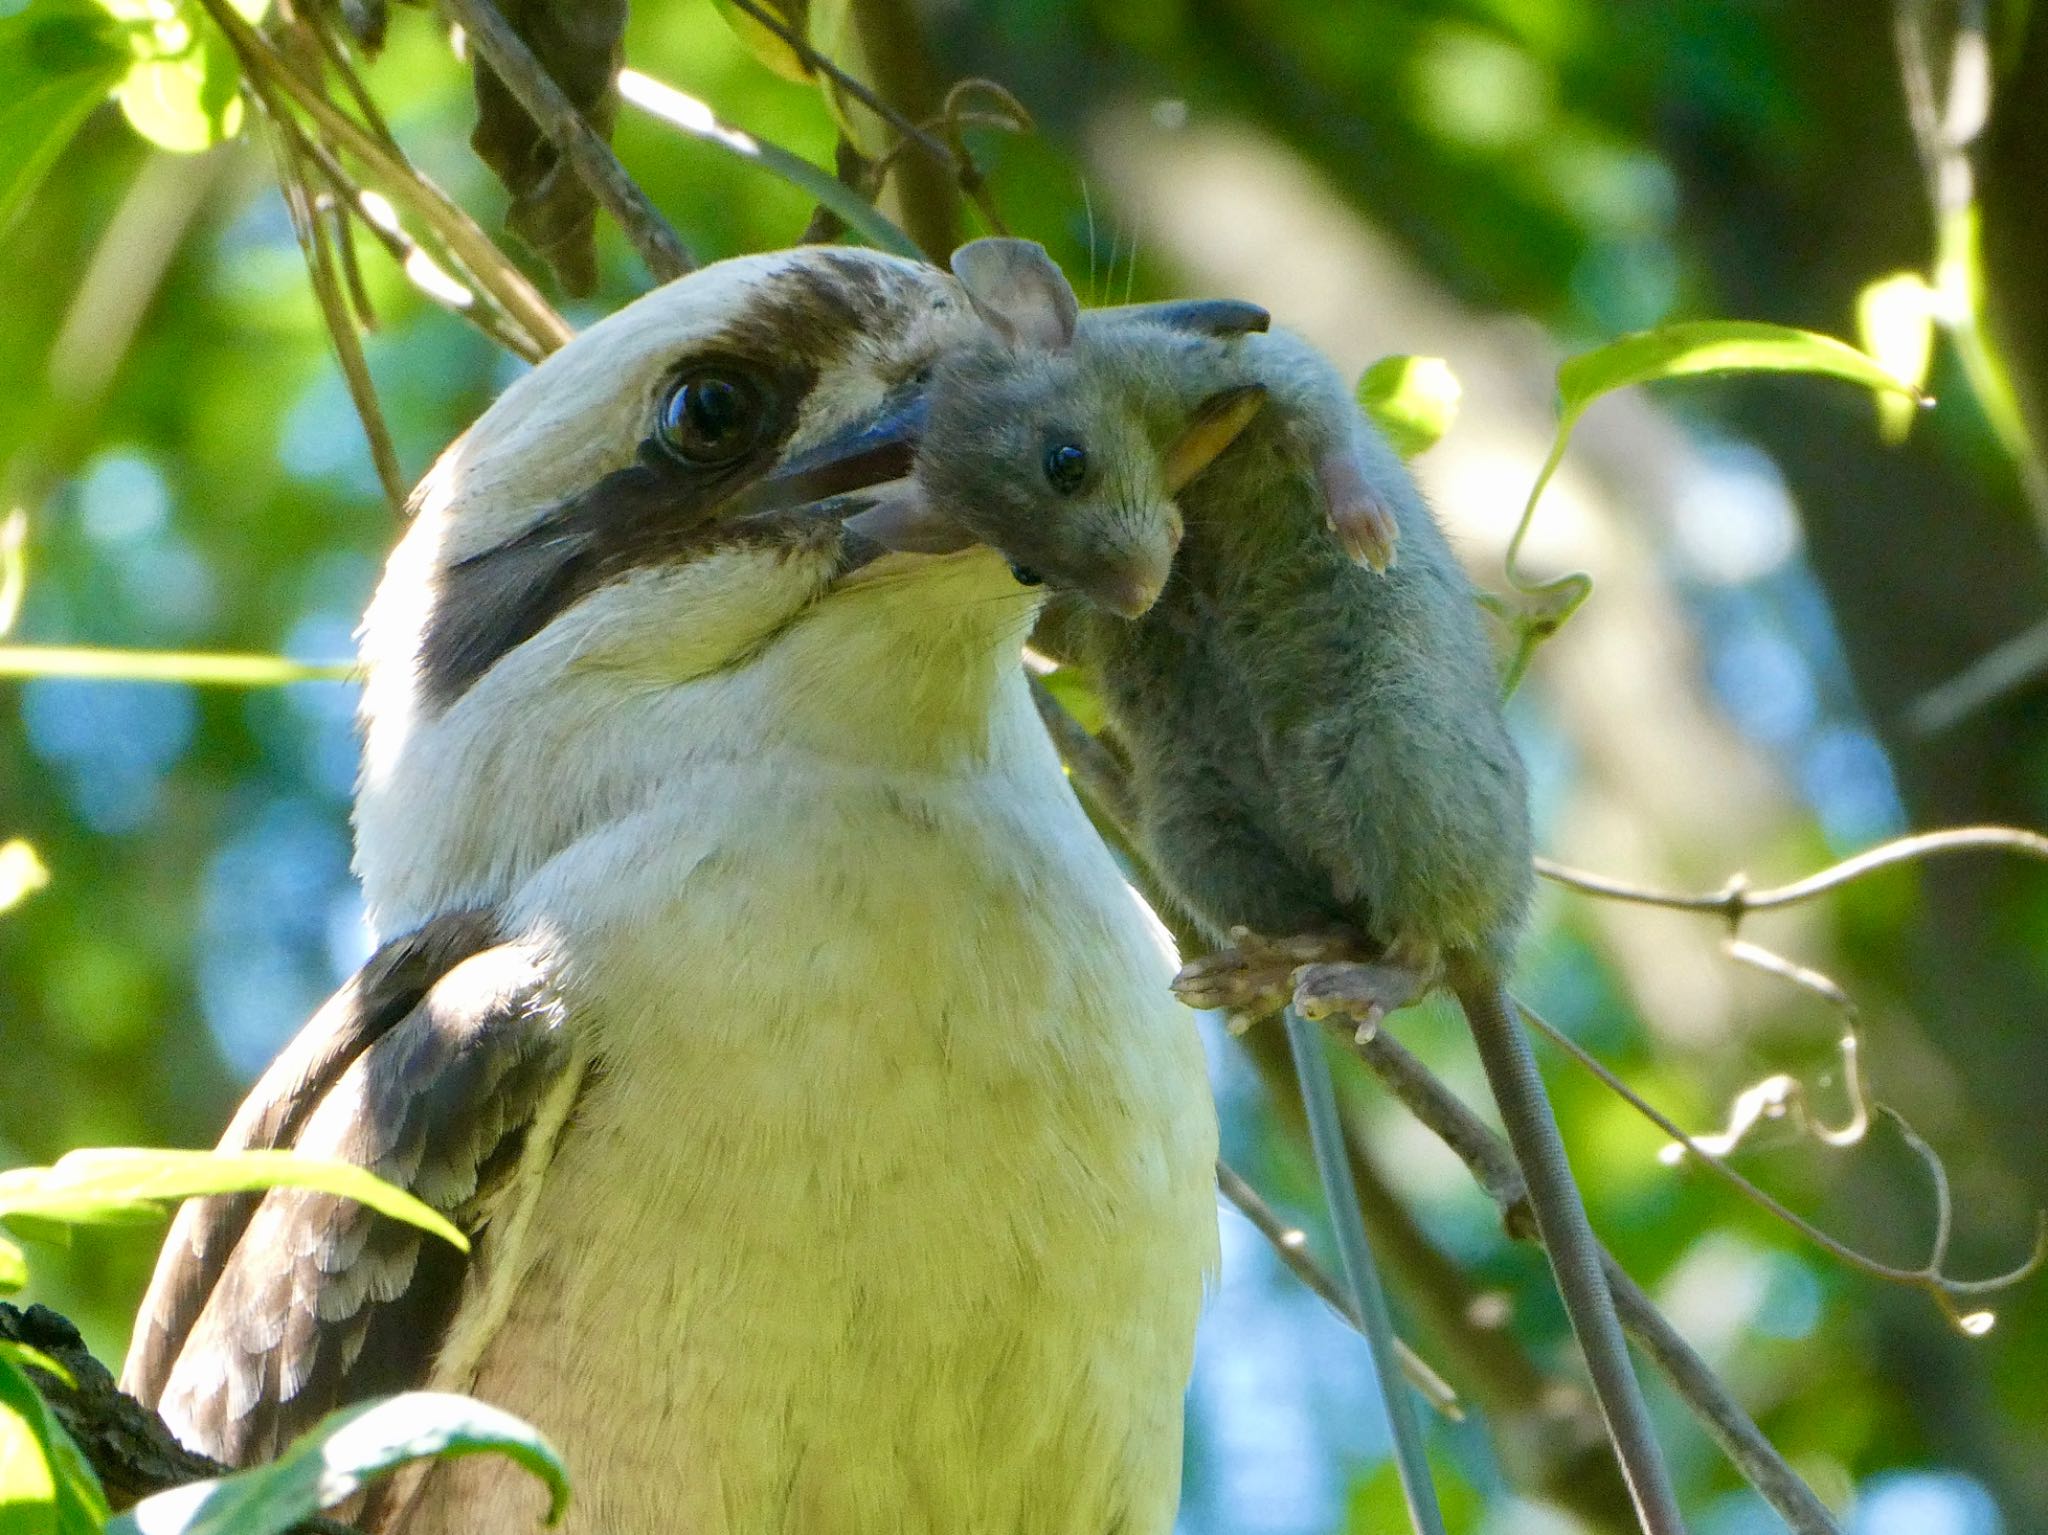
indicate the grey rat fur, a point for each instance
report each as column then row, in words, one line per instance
column 1316, row 748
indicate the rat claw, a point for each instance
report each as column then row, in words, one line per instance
column 1365, row 992
column 1363, row 522
column 1254, row 976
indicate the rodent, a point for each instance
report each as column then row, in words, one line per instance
column 1318, row 757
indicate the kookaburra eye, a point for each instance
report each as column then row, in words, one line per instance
column 711, row 416
column 1066, row 465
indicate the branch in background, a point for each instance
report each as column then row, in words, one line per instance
column 373, row 211
column 596, row 166
column 1290, row 1244
column 1945, row 1290
column 954, row 119
column 1492, row 1165
column 893, row 47
column 817, row 63
column 304, row 206
column 1736, row 900
column 1999, row 672
column 852, row 170
column 541, row 330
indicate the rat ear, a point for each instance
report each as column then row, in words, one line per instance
column 1018, row 292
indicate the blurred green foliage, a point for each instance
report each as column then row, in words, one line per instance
column 195, row 480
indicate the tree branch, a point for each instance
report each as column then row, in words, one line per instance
column 596, row 166
column 1492, row 1164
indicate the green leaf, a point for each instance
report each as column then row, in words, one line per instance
column 187, row 97
column 58, row 60
column 762, row 42
column 1413, row 400
column 29, row 1356
column 28, row 1482
column 1895, row 322
column 338, row 1458
column 1694, row 347
column 122, row 1186
column 46, row 1484
column 1688, row 349
column 13, row 1267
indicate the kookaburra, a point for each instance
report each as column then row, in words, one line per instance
column 752, row 990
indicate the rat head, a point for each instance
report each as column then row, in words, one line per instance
column 1063, row 447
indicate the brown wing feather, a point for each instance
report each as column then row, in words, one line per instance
column 269, row 1313
column 390, row 985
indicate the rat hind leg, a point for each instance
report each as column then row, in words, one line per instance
column 1232, row 877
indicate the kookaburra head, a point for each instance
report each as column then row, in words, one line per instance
column 753, row 990
column 634, row 519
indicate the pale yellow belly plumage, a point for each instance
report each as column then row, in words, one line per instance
column 888, row 1207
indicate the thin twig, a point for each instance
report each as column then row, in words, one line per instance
column 1719, row 1413
column 1944, row 1289
column 596, row 166
column 303, row 205
column 344, row 66
column 2001, row 671
column 1097, row 773
column 1290, row 1244
column 1735, row 900
column 428, row 276
column 403, row 183
column 817, row 62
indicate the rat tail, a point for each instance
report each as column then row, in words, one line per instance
column 1576, row 1258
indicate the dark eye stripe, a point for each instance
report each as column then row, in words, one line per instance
column 659, row 509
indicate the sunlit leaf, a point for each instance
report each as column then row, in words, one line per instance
column 28, row 1482
column 122, row 1186
column 13, row 1268
column 1895, row 322
column 1688, row 349
column 22, row 873
column 199, row 667
column 762, row 41
column 1694, row 347
column 29, row 1356
column 46, row 1483
column 339, row 1457
column 188, row 98
column 1413, row 400
column 13, row 563
column 58, row 60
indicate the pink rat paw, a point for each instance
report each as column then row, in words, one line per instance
column 1361, row 519
column 1253, row 977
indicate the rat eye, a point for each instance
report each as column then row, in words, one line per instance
column 711, row 416
column 1066, row 465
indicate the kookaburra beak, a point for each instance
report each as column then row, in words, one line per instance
column 836, row 476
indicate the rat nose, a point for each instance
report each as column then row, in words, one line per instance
column 1128, row 581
